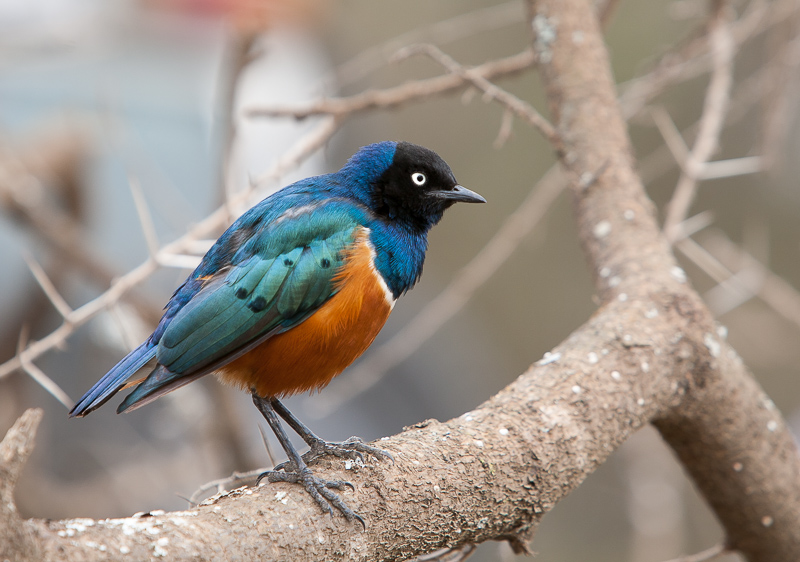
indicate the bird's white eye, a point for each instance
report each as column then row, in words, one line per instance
column 418, row 178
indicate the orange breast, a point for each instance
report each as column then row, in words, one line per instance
column 309, row 355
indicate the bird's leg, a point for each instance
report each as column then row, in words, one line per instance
column 352, row 448
column 298, row 472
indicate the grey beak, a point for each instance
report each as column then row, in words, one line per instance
column 459, row 193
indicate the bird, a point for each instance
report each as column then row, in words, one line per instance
column 294, row 291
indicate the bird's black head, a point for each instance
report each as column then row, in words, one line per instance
column 416, row 188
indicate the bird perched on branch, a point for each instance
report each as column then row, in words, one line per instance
column 293, row 292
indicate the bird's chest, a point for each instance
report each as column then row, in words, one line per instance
column 309, row 355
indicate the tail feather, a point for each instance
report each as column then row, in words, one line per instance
column 157, row 383
column 114, row 380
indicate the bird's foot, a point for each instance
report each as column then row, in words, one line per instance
column 352, row 448
column 319, row 489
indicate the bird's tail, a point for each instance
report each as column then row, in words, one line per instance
column 113, row 380
column 157, row 384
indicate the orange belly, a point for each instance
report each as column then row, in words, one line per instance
column 309, row 355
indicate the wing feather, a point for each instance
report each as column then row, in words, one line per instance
column 261, row 296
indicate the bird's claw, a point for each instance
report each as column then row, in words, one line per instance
column 352, row 448
column 319, row 489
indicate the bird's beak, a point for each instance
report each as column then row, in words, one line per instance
column 459, row 193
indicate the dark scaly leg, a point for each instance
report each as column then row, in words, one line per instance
column 351, row 448
column 296, row 470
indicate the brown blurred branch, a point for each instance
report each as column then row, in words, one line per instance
column 121, row 286
column 441, row 32
column 25, row 197
column 709, row 554
column 714, row 109
column 520, row 108
column 693, row 57
column 400, row 95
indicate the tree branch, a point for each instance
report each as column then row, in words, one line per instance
column 16, row 540
column 405, row 93
column 489, row 474
column 745, row 464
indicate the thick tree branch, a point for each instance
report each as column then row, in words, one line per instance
column 488, row 474
column 726, row 431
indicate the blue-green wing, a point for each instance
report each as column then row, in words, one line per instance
column 267, row 292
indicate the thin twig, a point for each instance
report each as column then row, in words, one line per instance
column 178, row 261
column 505, row 131
column 47, row 286
column 304, row 148
column 224, row 484
column 731, row 168
column 714, row 108
column 39, row 376
column 692, row 59
column 708, row 170
column 145, row 218
column 704, row 556
column 672, row 136
column 267, row 446
column 213, row 222
column 399, row 95
column 772, row 289
column 520, row 108
column 441, row 32
column 57, row 229
column 449, row 554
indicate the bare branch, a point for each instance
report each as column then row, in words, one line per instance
column 775, row 291
column 714, row 108
column 222, row 485
column 178, row 261
column 708, row 554
column 38, row 375
column 692, row 59
column 519, row 107
column 672, row 136
column 297, row 154
column 145, row 218
column 731, row 168
column 505, row 131
column 449, row 554
column 399, row 95
column 442, row 32
column 215, row 221
column 57, row 229
column 47, row 286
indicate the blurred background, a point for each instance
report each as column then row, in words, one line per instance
column 97, row 97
